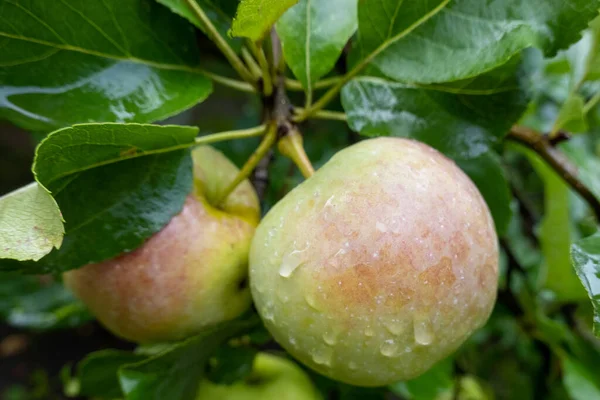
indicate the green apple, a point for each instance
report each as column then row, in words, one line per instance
column 190, row 274
column 272, row 378
column 379, row 265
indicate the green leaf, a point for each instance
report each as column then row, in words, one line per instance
column 115, row 208
column 435, row 384
column 30, row 302
column 571, row 116
column 487, row 173
column 219, row 12
column 30, row 224
column 82, row 147
column 254, row 18
column 585, row 255
column 313, row 34
column 579, row 382
column 461, row 120
column 555, row 234
column 177, row 372
column 127, row 60
column 97, row 373
column 440, row 40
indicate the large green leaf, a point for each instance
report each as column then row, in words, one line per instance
column 461, row 120
column 220, row 12
column 30, row 224
column 578, row 381
column 176, row 373
column 585, row 255
column 79, row 61
column 556, row 234
column 115, row 208
column 254, row 18
column 313, row 34
column 79, row 148
column 441, row 40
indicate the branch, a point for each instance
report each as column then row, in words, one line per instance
column 543, row 147
column 214, row 35
column 251, row 62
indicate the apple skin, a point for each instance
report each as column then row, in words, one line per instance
column 186, row 276
column 272, row 378
column 379, row 265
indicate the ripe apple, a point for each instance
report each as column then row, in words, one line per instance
column 379, row 265
column 188, row 275
column 272, row 378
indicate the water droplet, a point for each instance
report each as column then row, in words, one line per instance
column 369, row 331
column 423, row 331
column 323, row 355
column 389, row 348
column 293, row 341
column 352, row 365
column 394, row 326
column 268, row 313
column 330, row 337
column 282, row 295
column 381, row 227
column 291, row 261
column 310, row 299
column 376, row 254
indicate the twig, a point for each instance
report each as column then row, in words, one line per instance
column 231, row 135
column 232, row 83
column 324, row 114
column 259, row 53
column 322, row 84
column 251, row 62
column 543, row 147
column 214, row 35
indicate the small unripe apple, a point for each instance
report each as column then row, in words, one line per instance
column 379, row 265
column 190, row 274
column 271, row 378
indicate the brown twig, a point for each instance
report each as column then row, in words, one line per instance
column 544, row 147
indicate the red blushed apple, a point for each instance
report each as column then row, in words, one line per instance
column 379, row 265
column 190, row 274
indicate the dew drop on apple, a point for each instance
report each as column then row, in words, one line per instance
column 330, row 337
column 291, row 262
column 352, row 365
column 389, row 348
column 394, row 326
column 322, row 355
column 423, row 331
column 369, row 331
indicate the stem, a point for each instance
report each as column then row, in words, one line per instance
column 232, row 83
column 326, row 114
column 254, row 68
column 221, row 43
column 543, row 147
column 591, row 103
column 251, row 163
column 292, row 84
column 259, row 53
column 291, row 146
column 231, row 135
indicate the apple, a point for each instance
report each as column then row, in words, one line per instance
column 379, row 265
column 272, row 378
column 190, row 274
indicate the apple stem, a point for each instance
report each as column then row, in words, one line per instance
column 262, row 149
column 292, row 146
